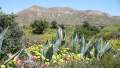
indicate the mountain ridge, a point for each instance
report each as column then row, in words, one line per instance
column 65, row 15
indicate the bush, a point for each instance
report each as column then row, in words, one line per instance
column 62, row 26
column 39, row 26
column 111, row 31
column 12, row 41
column 87, row 29
column 86, row 24
column 53, row 24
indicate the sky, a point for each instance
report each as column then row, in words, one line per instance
column 109, row 6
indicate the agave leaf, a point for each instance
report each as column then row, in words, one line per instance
column 27, row 52
column 45, row 47
column 82, row 46
column 58, row 42
column 14, row 55
column 49, row 53
column 96, row 49
column 89, row 46
column 56, row 46
column 101, row 48
column 61, row 34
column 75, row 42
column 2, row 37
column 105, row 48
column 101, row 43
column 86, row 47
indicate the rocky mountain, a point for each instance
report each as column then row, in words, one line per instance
column 65, row 15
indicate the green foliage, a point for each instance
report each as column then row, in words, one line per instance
column 86, row 24
column 101, row 48
column 13, row 56
column 87, row 30
column 53, row 46
column 5, row 21
column 92, row 48
column 62, row 26
column 11, row 43
column 2, row 36
column 53, row 24
column 111, row 28
column 86, row 46
column 39, row 26
column 75, row 43
column 108, row 61
column 81, row 50
column 115, row 44
column 111, row 31
column 49, row 53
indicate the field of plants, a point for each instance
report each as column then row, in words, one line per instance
column 43, row 45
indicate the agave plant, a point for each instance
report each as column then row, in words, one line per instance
column 61, row 35
column 14, row 56
column 51, row 48
column 101, row 48
column 75, row 43
column 86, row 47
column 45, row 47
column 60, row 41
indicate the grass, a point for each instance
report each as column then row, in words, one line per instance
column 39, row 38
column 48, row 34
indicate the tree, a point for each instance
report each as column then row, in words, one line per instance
column 87, row 29
column 39, row 26
column 12, row 42
column 12, row 38
column 86, row 24
column 53, row 24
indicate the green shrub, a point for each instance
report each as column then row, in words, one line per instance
column 111, row 31
column 11, row 43
column 87, row 30
column 62, row 26
column 53, row 24
column 39, row 26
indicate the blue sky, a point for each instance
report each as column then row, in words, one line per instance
column 110, row 6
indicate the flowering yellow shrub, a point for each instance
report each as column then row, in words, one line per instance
column 2, row 66
column 35, row 50
column 115, row 43
column 65, row 55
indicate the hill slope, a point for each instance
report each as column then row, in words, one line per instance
column 65, row 15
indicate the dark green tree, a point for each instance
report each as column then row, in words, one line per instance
column 53, row 24
column 86, row 24
column 39, row 26
column 87, row 29
column 12, row 42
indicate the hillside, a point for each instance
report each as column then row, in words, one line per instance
column 65, row 15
